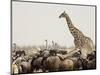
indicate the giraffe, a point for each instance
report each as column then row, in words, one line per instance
column 82, row 42
column 46, row 44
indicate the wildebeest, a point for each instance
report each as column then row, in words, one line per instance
column 91, row 64
column 66, row 65
column 16, row 69
column 36, row 64
column 17, row 64
column 91, row 60
column 26, row 67
column 52, row 63
column 20, row 52
column 57, row 63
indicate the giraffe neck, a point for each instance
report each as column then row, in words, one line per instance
column 69, row 22
column 72, row 28
column 74, row 31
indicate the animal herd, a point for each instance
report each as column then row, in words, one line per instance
column 48, row 61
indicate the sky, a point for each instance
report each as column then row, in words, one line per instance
column 32, row 23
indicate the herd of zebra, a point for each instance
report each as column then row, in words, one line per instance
column 83, row 57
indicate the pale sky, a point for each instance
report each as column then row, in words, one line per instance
column 32, row 23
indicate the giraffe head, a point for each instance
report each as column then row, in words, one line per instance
column 62, row 14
